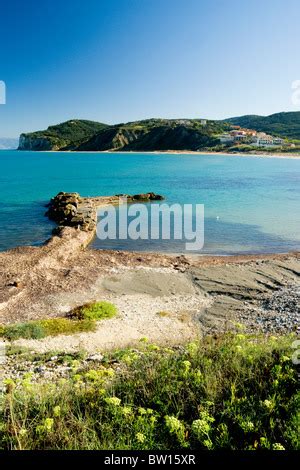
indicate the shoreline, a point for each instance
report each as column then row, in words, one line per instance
column 198, row 295
column 291, row 155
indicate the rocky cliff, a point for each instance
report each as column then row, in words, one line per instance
column 32, row 142
column 66, row 136
column 112, row 138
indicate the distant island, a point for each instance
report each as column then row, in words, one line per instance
column 8, row 143
column 279, row 132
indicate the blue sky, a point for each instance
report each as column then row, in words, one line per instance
column 122, row 60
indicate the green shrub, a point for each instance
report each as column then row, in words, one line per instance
column 94, row 311
column 28, row 330
column 40, row 328
column 65, row 326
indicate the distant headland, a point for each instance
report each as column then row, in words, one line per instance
column 278, row 133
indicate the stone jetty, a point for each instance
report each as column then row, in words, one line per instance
column 69, row 209
column 72, row 210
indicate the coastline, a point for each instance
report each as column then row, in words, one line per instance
column 201, row 294
column 294, row 156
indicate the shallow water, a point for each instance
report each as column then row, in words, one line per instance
column 252, row 205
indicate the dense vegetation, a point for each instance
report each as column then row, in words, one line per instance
column 65, row 136
column 150, row 134
column 281, row 124
column 227, row 392
column 94, row 311
column 155, row 134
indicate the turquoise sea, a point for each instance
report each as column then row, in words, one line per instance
column 252, row 205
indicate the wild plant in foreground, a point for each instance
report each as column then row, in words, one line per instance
column 227, row 392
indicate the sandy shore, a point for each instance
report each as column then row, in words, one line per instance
column 197, row 294
column 189, row 152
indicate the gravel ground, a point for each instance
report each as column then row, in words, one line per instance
column 47, row 369
column 280, row 313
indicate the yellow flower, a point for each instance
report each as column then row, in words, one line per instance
column 267, row 403
column 140, row 437
column 192, row 349
column 75, row 364
column 168, row 351
column 130, row 357
column 174, row 424
column 153, row 347
column 126, row 411
column 110, row 372
column 200, row 427
column 207, row 443
column 198, row 377
column 247, row 426
column 91, row 375
column 77, row 377
column 10, row 385
column 186, row 364
column 278, row 446
column 144, row 339
column 48, row 424
column 240, row 336
column 56, row 410
column 152, row 420
column 114, row 401
column 285, row 359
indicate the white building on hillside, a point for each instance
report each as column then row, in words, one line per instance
column 226, row 138
column 264, row 140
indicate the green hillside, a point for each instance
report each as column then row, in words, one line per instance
column 154, row 134
column 65, row 136
column 281, row 124
column 149, row 134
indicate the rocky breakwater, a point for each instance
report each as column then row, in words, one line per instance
column 69, row 209
column 72, row 210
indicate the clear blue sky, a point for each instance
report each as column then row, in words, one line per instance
column 122, row 60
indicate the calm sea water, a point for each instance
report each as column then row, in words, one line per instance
column 252, row 205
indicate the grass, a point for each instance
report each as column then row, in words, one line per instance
column 41, row 328
column 94, row 311
column 81, row 319
column 228, row 392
